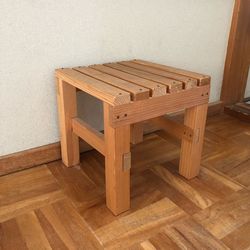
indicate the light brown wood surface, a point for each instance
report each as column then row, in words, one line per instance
column 190, row 158
column 131, row 93
column 188, row 81
column 174, row 128
column 201, row 78
column 156, row 89
column 67, row 109
column 173, row 85
column 137, row 92
column 90, row 85
column 154, row 107
column 117, row 142
column 89, row 134
column 55, row 207
column 52, row 152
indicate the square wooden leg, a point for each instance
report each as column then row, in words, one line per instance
column 137, row 133
column 67, row 109
column 117, row 165
column 191, row 150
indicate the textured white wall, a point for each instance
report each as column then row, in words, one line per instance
column 38, row 36
column 247, row 90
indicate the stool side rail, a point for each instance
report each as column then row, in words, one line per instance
column 92, row 136
column 158, row 106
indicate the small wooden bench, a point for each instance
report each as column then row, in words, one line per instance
column 132, row 92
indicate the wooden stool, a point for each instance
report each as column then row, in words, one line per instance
column 132, row 92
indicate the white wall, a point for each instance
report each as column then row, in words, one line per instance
column 247, row 90
column 38, row 36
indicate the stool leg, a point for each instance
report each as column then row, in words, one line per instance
column 67, row 107
column 137, row 133
column 191, row 150
column 117, row 167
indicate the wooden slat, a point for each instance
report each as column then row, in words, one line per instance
column 148, row 109
column 172, row 85
column 99, row 89
column 137, row 92
column 89, row 134
column 188, row 81
column 172, row 127
column 156, row 89
column 202, row 79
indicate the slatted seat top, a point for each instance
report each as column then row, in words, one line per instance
column 128, row 81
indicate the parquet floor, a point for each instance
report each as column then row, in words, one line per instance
column 52, row 207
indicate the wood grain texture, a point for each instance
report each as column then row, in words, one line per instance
column 188, row 81
column 67, row 109
column 52, row 152
column 29, row 158
column 92, row 86
column 174, row 128
column 27, row 191
column 172, row 85
column 191, row 150
column 201, row 78
column 238, row 56
column 156, row 89
column 159, row 213
column 190, row 235
column 89, row 134
column 227, row 215
column 137, row 92
column 158, row 106
column 56, row 207
column 117, row 144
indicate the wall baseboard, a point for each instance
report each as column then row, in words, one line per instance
column 44, row 154
column 34, row 157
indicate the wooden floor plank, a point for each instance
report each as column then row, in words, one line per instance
column 32, row 232
column 11, row 237
column 27, row 190
column 171, row 193
column 54, row 229
column 135, row 226
column 226, row 157
column 239, row 238
column 142, row 195
column 241, row 173
column 190, row 235
column 227, row 215
column 183, row 186
column 55, row 207
column 76, row 184
column 162, row 241
column 72, row 231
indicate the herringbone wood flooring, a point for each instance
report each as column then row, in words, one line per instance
column 53, row 207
